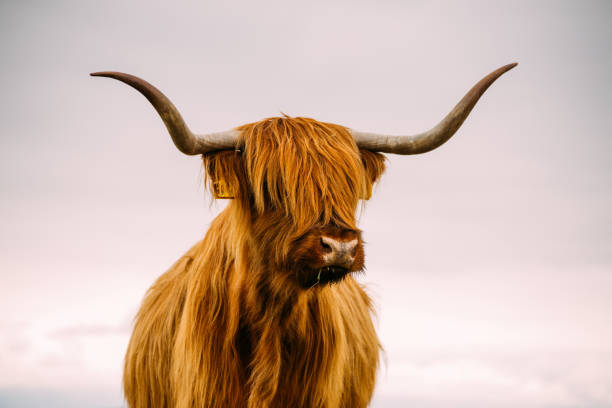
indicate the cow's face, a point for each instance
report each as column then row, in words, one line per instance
column 297, row 183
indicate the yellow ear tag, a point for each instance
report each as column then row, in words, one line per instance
column 222, row 190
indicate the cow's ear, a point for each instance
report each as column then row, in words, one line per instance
column 374, row 164
column 222, row 171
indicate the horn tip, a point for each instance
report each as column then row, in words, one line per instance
column 101, row 74
column 511, row 65
column 501, row 70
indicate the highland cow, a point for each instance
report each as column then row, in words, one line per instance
column 264, row 311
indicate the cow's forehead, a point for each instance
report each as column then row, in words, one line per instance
column 309, row 169
column 306, row 134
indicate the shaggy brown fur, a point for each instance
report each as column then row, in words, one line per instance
column 245, row 318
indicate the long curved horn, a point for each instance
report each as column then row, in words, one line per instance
column 437, row 135
column 182, row 137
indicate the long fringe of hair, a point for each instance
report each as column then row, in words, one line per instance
column 225, row 326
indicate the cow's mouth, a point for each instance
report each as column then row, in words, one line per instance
column 327, row 275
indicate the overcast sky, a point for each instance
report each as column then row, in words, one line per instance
column 490, row 259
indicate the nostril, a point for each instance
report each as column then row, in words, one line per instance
column 325, row 246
